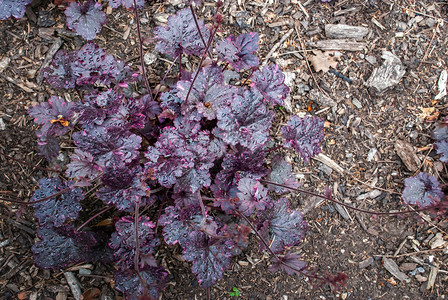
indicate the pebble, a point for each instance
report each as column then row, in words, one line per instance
column 405, row 267
column 371, row 59
column 365, row 263
column 421, row 278
column 357, row 103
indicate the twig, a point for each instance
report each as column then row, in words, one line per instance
column 30, row 165
column 19, row 84
column 429, row 45
column 412, row 253
column 73, row 283
column 93, row 217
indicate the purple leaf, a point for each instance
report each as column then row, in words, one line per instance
column 82, row 166
column 236, row 166
column 151, row 108
column 239, row 234
column 123, row 186
column 60, row 247
column 253, row 196
column 440, row 134
column 185, row 199
column 181, row 158
column 56, row 210
column 281, row 173
column 181, row 35
column 270, row 83
column 228, row 204
column 48, row 146
column 92, row 65
column 246, row 122
column 59, row 74
column 304, row 135
column 210, row 257
column 239, row 52
column 123, row 241
column 55, row 116
column 285, row 227
column 422, row 190
column 128, row 282
column 85, row 19
column 176, row 225
column 291, row 263
column 95, row 107
column 15, row 8
column 126, row 3
column 103, row 143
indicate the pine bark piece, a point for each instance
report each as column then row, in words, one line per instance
column 343, row 31
column 387, row 75
column 393, row 269
column 407, row 154
column 339, row 45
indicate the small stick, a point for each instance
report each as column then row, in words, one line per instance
column 277, row 45
column 73, row 283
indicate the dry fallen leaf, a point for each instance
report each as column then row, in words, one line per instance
column 428, row 113
column 322, row 61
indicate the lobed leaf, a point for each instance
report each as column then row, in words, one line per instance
column 15, row 8
column 86, row 19
column 281, row 173
column 56, row 210
column 239, row 52
column 270, row 83
column 129, row 283
column 253, row 196
column 304, row 135
column 82, row 166
column 181, row 35
column 422, row 190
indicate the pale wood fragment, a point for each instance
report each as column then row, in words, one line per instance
column 343, row 31
column 339, row 45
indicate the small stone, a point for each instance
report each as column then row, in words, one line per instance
column 4, row 63
column 371, row 154
column 357, row 103
column 365, row 263
column 401, row 26
column 83, row 271
column 406, row 267
column 2, row 124
column 371, row 59
column 421, row 278
column 149, row 58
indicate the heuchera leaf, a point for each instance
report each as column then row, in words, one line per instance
column 181, row 35
column 291, row 263
column 239, row 52
column 281, row 173
column 253, row 196
column 56, row 210
column 440, row 134
column 123, row 241
column 181, row 158
column 304, row 135
column 15, row 8
column 93, row 65
column 82, row 166
column 239, row 234
column 103, row 143
column 55, row 116
column 48, row 146
column 176, row 227
column 86, row 19
column 422, row 190
column 60, row 247
column 126, row 3
column 236, row 166
column 95, row 107
column 123, row 187
column 210, row 257
column 186, row 199
column 128, row 282
column 246, row 122
column 208, row 94
column 270, row 82
column 60, row 74
column 283, row 227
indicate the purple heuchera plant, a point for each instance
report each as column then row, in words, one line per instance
column 304, row 135
column 15, row 8
column 86, row 19
column 202, row 136
column 126, row 3
column 422, row 190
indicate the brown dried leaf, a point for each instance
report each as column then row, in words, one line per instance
column 322, row 61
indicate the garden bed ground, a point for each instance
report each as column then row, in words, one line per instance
column 363, row 134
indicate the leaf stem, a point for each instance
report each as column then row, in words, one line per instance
column 372, row 212
column 93, row 217
column 198, row 28
column 164, row 77
column 140, row 43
